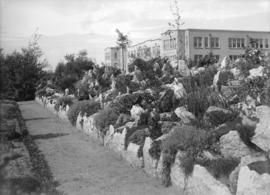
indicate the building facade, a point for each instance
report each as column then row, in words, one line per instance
column 195, row 44
column 112, row 56
column 146, row 50
column 117, row 57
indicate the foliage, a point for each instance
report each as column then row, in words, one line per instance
column 219, row 167
column 188, row 139
column 69, row 72
column 8, row 109
column 104, row 118
column 208, row 60
column 63, row 101
column 85, row 107
column 203, row 79
column 198, row 101
column 20, row 72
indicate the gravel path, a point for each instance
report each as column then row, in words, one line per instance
column 79, row 164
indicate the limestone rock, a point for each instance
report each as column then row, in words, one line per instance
column 252, row 183
column 262, row 131
column 136, row 111
column 185, row 116
column 256, row 72
column 231, row 145
column 167, row 126
column 200, row 182
column 225, row 63
column 150, row 164
column 131, row 155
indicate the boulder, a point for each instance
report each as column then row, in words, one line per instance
column 252, row 183
column 183, row 68
column 217, row 116
column 131, row 155
column 122, row 119
column 185, row 116
column 225, row 63
column 136, row 111
column 150, row 164
column 231, row 145
column 233, row 178
column 262, row 131
column 200, row 182
column 178, row 89
column 256, row 72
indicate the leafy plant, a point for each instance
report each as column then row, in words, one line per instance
column 104, row 118
column 85, row 107
column 63, row 101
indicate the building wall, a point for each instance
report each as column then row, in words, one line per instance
column 146, row 50
column 223, row 36
column 113, row 56
column 168, row 44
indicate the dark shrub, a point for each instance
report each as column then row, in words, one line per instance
column 188, row 139
column 85, row 107
column 63, row 101
column 104, row 118
column 220, row 167
column 198, row 101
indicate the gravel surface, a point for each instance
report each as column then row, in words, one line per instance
column 79, row 164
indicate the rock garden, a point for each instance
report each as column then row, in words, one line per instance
column 205, row 130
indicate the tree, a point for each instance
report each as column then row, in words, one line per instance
column 20, row 71
column 122, row 41
column 176, row 23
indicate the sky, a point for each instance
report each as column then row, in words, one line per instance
column 68, row 26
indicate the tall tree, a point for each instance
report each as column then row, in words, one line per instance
column 123, row 42
column 21, row 71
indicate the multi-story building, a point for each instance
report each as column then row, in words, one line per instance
column 197, row 43
column 116, row 56
column 194, row 44
column 146, row 50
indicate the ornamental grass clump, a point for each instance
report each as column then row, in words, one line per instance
column 198, row 101
column 63, row 102
column 87, row 107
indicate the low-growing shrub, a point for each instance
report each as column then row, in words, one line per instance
column 85, row 107
column 8, row 109
column 104, row 118
column 198, row 101
column 63, row 101
column 220, row 167
column 188, row 139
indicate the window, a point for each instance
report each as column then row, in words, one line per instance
column 214, row 42
column 169, row 44
column 236, row 43
column 197, row 59
column 234, row 57
column 197, row 42
column 256, row 43
column 266, row 43
column 206, row 42
column 230, row 42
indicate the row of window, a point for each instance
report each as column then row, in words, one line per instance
column 214, row 42
column 233, row 42
column 169, row 44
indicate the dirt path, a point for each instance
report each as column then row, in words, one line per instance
column 80, row 165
